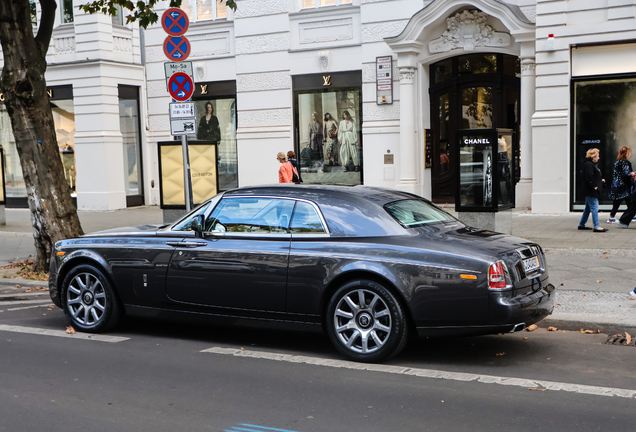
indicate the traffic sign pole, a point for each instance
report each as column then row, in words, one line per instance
column 180, row 85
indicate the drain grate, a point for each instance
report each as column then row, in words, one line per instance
column 619, row 339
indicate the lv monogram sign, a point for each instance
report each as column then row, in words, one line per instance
column 204, row 89
column 327, row 80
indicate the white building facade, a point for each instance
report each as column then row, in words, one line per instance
column 310, row 76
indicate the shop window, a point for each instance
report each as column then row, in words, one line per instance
column 216, row 111
column 319, row 3
column 131, row 137
column 201, row 10
column 62, row 107
column 604, row 118
column 67, row 11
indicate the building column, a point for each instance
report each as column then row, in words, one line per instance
column 528, row 88
column 408, row 153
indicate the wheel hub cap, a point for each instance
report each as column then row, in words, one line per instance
column 88, row 298
column 365, row 320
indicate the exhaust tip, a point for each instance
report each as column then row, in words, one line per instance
column 518, row 327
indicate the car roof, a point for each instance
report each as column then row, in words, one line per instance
column 318, row 193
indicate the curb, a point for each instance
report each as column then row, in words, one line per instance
column 605, row 328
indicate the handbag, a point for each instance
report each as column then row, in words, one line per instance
column 295, row 177
column 332, row 133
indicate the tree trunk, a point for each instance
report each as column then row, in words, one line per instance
column 53, row 215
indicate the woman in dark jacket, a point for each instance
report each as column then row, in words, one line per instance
column 592, row 185
column 622, row 181
column 291, row 157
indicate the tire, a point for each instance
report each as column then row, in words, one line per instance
column 90, row 303
column 369, row 332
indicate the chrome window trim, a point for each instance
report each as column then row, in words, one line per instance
column 325, row 227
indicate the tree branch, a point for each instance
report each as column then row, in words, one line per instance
column 46, row 25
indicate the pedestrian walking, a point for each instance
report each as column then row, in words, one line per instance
column 622, row 182
column 285, row 172
column 592, row 186
column 291, row 157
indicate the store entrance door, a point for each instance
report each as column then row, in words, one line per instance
column 475, row 91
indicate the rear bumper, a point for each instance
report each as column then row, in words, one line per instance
column 509, row 311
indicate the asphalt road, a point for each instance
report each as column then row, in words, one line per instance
column 170, row 377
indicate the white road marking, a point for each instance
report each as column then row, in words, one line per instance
column 430, row 373
column 17, row 302
column 30, row 307
column 62, row 333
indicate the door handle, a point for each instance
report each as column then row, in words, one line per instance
column 173, row 243
column 192, row 244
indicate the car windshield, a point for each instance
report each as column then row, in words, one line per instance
column 414, row 213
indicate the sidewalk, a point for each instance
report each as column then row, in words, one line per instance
column 593, row 272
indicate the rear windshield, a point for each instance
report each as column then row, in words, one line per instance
column 414, row 213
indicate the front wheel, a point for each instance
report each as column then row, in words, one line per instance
column 365, row 322
column 90, row 303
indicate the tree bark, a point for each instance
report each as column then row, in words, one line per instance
column 53, row 215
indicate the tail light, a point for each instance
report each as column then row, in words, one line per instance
column 497, row 278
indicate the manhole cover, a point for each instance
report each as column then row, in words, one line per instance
column 619, row 339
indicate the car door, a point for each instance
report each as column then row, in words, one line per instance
column 242, row 259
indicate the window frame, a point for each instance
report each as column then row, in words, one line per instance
column 215, row 17
column 325, row 226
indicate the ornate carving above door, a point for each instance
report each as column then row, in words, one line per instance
column 468, row 29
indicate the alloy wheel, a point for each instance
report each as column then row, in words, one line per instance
column 86, row 299
column 362, row 321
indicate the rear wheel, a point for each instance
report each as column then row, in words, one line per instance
column 90, row 303
column 365, row 322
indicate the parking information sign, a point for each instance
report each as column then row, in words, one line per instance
column 183, row 127
column 183, row 110
column 180, row 86
column 172, row 68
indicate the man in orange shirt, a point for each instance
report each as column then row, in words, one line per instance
column 286, row 170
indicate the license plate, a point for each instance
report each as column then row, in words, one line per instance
column 530, row 264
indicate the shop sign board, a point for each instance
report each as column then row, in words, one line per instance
column 183, row 127
column 176, row 48
column 384, row 80
column 183, row 110
column 175, row 22
column 180, row 86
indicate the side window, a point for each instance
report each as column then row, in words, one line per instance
column 185, row 223
column 251, row 215
column 305, row 220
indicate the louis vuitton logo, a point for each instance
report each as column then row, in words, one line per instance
column 204, row 89
column 326, row 79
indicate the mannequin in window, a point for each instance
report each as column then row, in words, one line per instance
column 209, row 129
column 348, row 140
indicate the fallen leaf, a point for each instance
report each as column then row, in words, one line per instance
column 598, row 281
column 552, row 328
column 605, row 253
column 561, row 284
column 589, row 331
column 558, row 304
column 500, row 354
column 628, row 339
column 584, row 295
column 525, row 338
column 533, row 327
column 632, row 298
column 29, row 290
column 50, row 307
column 536, row 389
column 70, row 330
column 17, row 286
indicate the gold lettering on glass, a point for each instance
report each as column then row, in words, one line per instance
column 204, row 89
column 327, row 80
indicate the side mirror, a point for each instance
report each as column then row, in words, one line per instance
column 197, row 226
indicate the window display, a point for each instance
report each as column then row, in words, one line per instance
column 131, row 137
column 217, row 123
column 330, row 136
column 604, row 118
column 64, row 118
